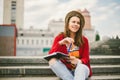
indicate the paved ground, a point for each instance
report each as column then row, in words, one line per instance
column 103, row 77
column 30, row 78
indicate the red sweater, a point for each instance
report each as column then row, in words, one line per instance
column 83, row 50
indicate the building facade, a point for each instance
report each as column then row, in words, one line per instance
column 34, row 42
column 7, row 40
column 14, row 12
column 57, row 26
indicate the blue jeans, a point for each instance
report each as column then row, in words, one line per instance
column 81, row 71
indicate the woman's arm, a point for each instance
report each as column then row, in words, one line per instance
column 56, row 46
column 85, row 52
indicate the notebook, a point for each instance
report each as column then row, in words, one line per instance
column 57, row 55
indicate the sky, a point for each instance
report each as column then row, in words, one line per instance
column 105, row 14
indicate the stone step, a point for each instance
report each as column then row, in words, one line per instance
column 112, row 41
column 105, row 77
column 106, row 69
column 110, row 47
column 39, row 61
column 103, row 59
column 25, row 70
column 45, row 70
column 99, row 77
column 22, row 61
column 30, row 78
column 103, row 51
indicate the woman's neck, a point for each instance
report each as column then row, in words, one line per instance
column 72, row 35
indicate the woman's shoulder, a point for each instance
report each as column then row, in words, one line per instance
column 60, row 35
column 85, row 38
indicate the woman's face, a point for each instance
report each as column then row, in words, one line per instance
column 74, row 24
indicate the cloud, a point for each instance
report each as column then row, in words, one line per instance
column 38, row 13
column 105, row 16
column 104, row 13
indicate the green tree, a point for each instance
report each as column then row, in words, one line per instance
column 117, row 37
column 97, row 38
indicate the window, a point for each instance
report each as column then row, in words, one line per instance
column 42, row 42
column 46, row 42
column 14, row 2
column 37, row 42
column 32, row 41
column 27, row 41
column 13, row 12
column 13, row 21
column 22, row 41
column 18, row 41
column 13, row 5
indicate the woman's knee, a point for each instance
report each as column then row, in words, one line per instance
column 52, row 61
column 82, row 68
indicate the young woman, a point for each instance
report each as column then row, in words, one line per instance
column 77, row 67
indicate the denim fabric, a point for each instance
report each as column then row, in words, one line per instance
column 81, row 71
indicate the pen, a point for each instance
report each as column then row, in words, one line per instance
column 69, row 47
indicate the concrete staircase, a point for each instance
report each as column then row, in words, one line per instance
column 106, row 58
column 105, row 63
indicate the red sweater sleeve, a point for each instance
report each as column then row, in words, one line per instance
column 85, row 52
column 56, row 47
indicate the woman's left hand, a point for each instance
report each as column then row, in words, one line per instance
column 73, row 60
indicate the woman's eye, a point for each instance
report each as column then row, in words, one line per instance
column 73, row 21
column 78, row 22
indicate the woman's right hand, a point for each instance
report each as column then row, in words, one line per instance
column 66, row 41
column 52, row 61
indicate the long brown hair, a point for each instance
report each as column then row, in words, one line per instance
column 78, row 38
